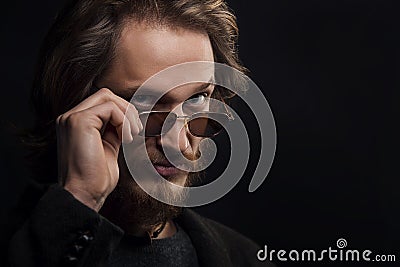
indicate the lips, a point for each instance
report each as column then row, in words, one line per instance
column 166, row 169
column 164, row 163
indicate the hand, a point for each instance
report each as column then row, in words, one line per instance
column 89, row 137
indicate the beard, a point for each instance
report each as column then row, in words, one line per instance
column 132, row 209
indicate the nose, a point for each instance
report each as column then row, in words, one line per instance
column 178, row 137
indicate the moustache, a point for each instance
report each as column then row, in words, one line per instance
column 176, row 157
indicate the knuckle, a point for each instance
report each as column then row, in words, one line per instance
column 131, row 109
column 106, row 92
column 59, row 119
column 72, row 120
column 62, row 119
column 135, row 130
column 134, row 110
column 112, row 105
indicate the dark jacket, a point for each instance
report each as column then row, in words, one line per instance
column 61, row 231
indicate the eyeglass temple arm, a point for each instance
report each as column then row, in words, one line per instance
column 230, row 116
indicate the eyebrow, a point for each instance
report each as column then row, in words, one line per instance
column 133, row 89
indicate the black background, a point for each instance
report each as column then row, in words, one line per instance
column 329, row 70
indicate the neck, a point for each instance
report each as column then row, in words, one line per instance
column 157, row 232
column 168, row 230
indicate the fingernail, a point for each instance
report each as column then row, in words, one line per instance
column 140, row 124
column 127, row 138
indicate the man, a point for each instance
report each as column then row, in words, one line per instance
column 95, row 57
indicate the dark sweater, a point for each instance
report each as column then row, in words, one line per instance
column 176, row 250
column 61, row 231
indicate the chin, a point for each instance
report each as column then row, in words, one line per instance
column 129, row 207
column 180, row 180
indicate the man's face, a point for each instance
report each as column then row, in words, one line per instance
column 142, row 52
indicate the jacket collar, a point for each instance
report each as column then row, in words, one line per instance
column 210, row 248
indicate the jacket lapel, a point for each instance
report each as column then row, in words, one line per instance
column 210, row 248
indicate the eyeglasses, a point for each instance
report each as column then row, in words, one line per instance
column 199, row 124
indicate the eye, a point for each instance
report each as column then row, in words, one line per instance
column 197, row 99
column 143, row 100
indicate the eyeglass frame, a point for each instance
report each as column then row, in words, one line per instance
column 187, row 118
column 229, row 115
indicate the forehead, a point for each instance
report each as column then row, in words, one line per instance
column 144, row 50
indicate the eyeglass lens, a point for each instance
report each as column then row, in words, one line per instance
column 203, row 124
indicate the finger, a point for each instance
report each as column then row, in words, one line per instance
column 108, row 113
column 105, row 95
column 101, row 96
column 133, row 116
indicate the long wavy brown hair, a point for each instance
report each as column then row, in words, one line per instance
column 80, row 46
